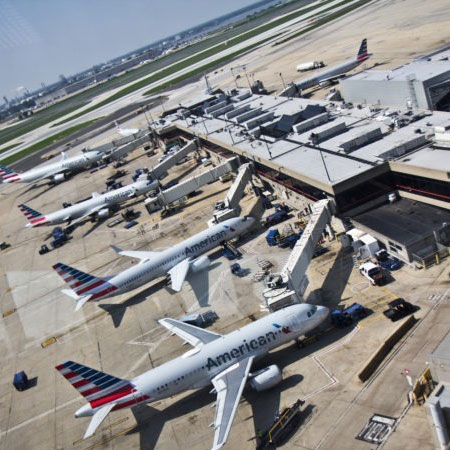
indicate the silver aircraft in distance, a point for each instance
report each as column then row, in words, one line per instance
column 223, row 361
column 327, row 76
column 98, row 205
column 176, row 261
column 56, row 171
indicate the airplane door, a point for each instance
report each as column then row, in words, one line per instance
column 294, row 322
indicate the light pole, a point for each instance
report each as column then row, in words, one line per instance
column 234, row 78
column 246, row 76
column 282, row 80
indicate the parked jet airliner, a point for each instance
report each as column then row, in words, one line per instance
column 97, row 205
column 176, row 261
column 223, row 361
column 331, row 74
column 57, row 171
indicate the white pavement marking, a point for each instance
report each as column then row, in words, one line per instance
column 38, row 417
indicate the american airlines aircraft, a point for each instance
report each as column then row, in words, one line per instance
column 57, row 171
column 97, row 205
column 176, row 261
column 223, row 361
column 125, row 131
column 331, row 74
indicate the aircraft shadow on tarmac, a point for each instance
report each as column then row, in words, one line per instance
column 198, row 281
column 150, row 421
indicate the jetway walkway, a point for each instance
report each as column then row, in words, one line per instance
column 292, row 281
column 171, row 195
column 119, row 148
column 157, row 172
column 231, row 206
column 236, row 190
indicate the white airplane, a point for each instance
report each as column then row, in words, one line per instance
column 125, row 131
column 176, row 261
column 327, row 76
column 57, row 171
column 98, row 205
column 223, row 361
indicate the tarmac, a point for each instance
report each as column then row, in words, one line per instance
column 40, row 329
column 121, row 336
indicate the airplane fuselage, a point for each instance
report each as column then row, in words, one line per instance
column 109, row 199
column 329, row 74
column 197, row 367
column 66, row 165
column 158, row 265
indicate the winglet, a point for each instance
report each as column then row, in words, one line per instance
column 97, row 419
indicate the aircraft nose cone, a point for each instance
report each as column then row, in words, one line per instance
column 250, row 220
column 322, row 312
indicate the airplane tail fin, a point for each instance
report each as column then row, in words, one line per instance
column 35, row 218
column 8, row 175
column 362, row 52
column 83, row 286
column 96, row 387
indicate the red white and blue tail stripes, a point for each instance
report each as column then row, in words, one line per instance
column 100, row 388
column 362, row 53
column 84, row 284
column 8, row 175
column 34, row 217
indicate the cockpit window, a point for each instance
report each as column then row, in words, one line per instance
column 313, row 309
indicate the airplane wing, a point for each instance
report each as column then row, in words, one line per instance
column 142, row 255
column 86, row 214
column 194, row 335
column 334, row 77
column 178, row 274
column 229, row 385
column 97, row 419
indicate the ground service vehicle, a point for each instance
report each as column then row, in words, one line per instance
column 372, row 272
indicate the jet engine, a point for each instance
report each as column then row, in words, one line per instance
column 266, row 378
column 201, row 263
column 103, row 213
column 59, row 177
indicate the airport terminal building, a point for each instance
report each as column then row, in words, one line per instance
column 309, row 150
column 423, row 84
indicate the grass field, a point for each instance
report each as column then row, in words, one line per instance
column 45, row 142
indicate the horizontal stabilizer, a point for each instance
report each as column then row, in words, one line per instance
column 70, row 293
column 82, row 301
column 97, row 419
column 142, row 255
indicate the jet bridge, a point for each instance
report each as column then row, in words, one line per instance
column 157, row 172
column 123, row 149
column 230, row 206
column 290, row 285
column 168, row 196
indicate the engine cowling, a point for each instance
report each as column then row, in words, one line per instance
column 59, row 177
column 201, row 263
column 266, row 378
column 103, row 213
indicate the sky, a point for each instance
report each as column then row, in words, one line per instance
column 41, row 39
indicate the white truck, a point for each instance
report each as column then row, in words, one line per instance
column 372, row 272
column 310, row 66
